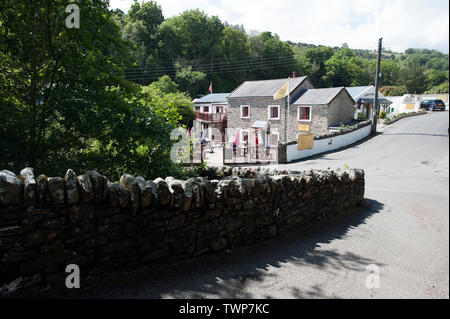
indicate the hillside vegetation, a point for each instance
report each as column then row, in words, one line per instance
column 195, row 49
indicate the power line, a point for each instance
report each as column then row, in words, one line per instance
column 209, row 66
column 194, row 61
column 153, row 75
column 217, row 69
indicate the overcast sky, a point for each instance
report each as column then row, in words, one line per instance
column 359, row 23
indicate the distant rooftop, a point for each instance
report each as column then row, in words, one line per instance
column 213, row 98
column 318, row 96
column 355, row 91
column 265, row 88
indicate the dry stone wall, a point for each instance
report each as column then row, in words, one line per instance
column 47, row 223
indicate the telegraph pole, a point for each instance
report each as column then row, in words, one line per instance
column 377, row 84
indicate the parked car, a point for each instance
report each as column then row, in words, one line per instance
column 433, row 105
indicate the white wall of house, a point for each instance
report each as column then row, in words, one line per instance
column 210, row 107
column 404, row 104
column 327, row 144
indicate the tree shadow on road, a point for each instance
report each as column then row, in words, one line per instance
column 229, row 274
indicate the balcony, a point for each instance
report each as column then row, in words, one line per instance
column 211, row 117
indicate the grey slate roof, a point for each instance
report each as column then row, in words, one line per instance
column 265, row 88
column 318, row 96
column 213, row 98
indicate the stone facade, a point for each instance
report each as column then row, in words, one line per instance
column 259, row 111
column 341, row 109
column 318, row 124
column 48, row 223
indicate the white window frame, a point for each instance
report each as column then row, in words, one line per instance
column 249, row 110
column 268, row 112
column 298, row 113
column 278, row 138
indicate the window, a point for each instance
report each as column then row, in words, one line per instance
column 219, row 109
column 304, row 113
column 245, row 111
column 206, row 109
column 197, row 109
column 274, row 112
column 244, row 137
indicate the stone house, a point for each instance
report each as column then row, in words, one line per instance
column 253, row 112
column 319, row 109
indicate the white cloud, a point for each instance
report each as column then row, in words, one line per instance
column 401, row 23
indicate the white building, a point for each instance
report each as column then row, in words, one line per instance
column 411, row 102
column 211, row 112
column 364, row 97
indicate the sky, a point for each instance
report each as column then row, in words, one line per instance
column 402, row 24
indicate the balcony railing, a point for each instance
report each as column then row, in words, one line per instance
column 211, row 117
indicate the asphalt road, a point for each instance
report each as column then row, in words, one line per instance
column 403, row 232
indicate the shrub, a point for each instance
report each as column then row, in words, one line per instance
column 382, row 115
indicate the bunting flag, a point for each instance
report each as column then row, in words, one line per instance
column 283, row 92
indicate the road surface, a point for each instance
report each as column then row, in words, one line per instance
column 403, row 234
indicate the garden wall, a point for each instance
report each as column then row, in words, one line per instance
column 289, row 152
column 47, row 223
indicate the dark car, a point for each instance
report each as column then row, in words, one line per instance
column 433, row 105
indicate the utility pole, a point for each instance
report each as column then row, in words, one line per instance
column 377, row 84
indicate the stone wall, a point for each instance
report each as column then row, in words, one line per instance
column 47, row 223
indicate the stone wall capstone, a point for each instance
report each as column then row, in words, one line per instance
column 47, row 223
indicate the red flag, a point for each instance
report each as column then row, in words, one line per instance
column 210, row 87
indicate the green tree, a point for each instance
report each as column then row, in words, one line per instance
column 344, row 69
column 141, row 30
column 390, row 72
column 272, row 58
column 317, row 58
column 192, row 35
column 167, row 92
column 235, row 55
column 436, row 77
column 190, row 81
column 63, row 98
column 412, row 76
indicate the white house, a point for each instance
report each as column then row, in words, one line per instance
column 364, row 97
column 211, row 111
